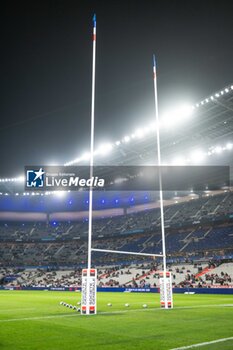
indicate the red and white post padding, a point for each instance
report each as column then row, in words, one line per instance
column 89, row 288
column 166, row 301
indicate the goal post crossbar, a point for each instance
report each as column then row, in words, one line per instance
column 125, row 252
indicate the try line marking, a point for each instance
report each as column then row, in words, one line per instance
column 203, row 344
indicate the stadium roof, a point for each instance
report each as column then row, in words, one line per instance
column 201, row 134
column 189, row 133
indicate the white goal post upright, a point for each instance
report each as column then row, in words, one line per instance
column 166, row 286
column 89, row 276
column 92, row 143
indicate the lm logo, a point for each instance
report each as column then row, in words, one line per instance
column 35, row 178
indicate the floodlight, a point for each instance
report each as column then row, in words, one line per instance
column 85, row 156
column 126, row 139
column 146, row 129
column 139, row 133
column 60, row 193
column 229, row 146
column 179, row 161
column 21, row 179
column 119, row 180
column 172, row 117
column 104, row 148
column 152, row 126
column 197, row 156
column 218, row 149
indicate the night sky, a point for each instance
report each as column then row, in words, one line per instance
column 46, row 60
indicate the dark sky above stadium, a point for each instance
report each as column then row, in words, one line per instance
column 46, row 58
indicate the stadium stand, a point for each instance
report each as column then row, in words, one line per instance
column 144, row 275
column 53, row 253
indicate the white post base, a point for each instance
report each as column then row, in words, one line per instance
column 166, row 303
column 89, row 288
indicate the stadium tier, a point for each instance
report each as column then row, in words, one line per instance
column 195, row 228
column 144, row 275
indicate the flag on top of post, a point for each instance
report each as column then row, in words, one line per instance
column 154, row 66
column 94, row 27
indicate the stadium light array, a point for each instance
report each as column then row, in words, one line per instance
column 179, row 161
column 195, row 157
column 167, row 119
column 60, row 193
column 126, row 139
column 14, row 179
column 198, row 156
column 104, row 149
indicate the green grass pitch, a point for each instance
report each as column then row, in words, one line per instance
column 36, row 320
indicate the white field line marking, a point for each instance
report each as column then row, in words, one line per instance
column 110, row 312
column 37, row 318
column 203, row 344
column 19, row 309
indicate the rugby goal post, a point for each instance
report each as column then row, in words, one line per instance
column 89, row 275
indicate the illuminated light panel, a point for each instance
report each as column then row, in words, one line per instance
column 179, row 161
column 175, row 116
column 85, row 156
column 104, row 149
column 60, row 193
column 139, row 133
column 197, row 156
column 218, row 149
column 126, row 139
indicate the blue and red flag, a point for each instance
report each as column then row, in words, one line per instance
column 154, row 66
column 94, row 27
